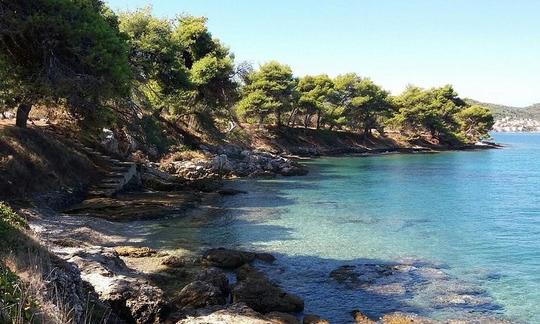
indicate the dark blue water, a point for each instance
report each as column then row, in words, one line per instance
column 462, row 227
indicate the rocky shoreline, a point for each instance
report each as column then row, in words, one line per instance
column 101, row 247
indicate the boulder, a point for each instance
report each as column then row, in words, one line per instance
column 135, row 252
column 259, row 293
column 361, row 318
column 199, row 294
column 109, row 141
column 116, row 284
column 226, row 258
column 247, row 271
column 238, row 313
column 281, row 318
column 173, row 262
column 314, row 319
column 215, row 277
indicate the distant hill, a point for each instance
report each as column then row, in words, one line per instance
column 501, row 111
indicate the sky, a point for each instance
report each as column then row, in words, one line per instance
column 489, row 50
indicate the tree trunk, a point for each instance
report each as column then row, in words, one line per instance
column 278, row 118
column 319, row 119
column 292, row 118
column 22, row 114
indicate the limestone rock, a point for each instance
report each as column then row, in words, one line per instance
column 226, row 258
column 402, row 318
column 173, row 262
column 263, row 296
column 282, row 318
column 215, row 277
column 109, row 141
column 237, row 313
column 198, row 294
column 135, row 252
column 314, row 319
column 361, row 318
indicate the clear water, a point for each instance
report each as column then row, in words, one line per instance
column 474, row 215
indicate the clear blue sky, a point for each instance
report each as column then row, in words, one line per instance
column 488, row 49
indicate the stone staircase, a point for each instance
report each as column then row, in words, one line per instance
column 119, row 173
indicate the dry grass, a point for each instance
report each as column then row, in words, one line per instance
column 35, row 286
column 32, row 161
column 185, row 155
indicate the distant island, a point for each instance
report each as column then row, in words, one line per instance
column 513, row 119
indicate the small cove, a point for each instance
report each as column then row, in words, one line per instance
column 462, row 222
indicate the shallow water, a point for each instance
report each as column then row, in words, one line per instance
column 467, row 222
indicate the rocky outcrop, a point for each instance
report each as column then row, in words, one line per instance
column 259, row 293
column 235, row 162
column 232, row 259
column 199, row 294
column 135, row 252
column 282, row 318
column 314, row 319
column 129, row 295
column 216, row 278
column 361, row 318
column 226, row 258
column 237, row 313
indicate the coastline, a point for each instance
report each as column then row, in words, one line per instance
column 91, row 234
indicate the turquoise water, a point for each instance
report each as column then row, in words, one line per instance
column 475, row 216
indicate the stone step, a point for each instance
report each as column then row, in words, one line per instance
column 120, row 168
column 100, row 193
column 107, row 186
column 111, row 180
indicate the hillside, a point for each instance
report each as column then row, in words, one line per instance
column 513, row 119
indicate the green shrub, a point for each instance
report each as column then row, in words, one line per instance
column 16, row 305
column 9, row 219
column 155, row 134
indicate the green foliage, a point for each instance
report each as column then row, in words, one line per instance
column 62, row 50
column 270, row 90
column 178, row 66
column 16, row 306
column 364, row 103
column 475, row 122
column 256, row 105
column 156, row 59
column 10, row 220
column 79, row 53
column 315, row 93
column 155, row 135
column 440, row 113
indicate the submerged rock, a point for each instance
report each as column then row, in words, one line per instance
column 401, row 318
column 266, row 257
column 230, row 192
